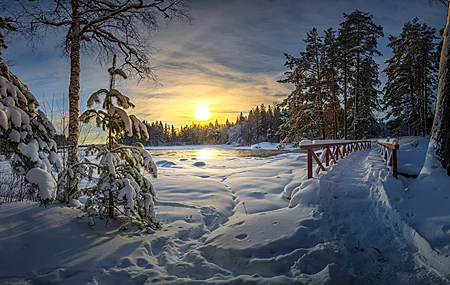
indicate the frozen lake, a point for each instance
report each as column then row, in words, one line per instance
column 212, row 151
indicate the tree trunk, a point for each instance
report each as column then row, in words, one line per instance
column 355, row 115
column 345, row 96
column 413, row 105
column 335, row 101
column 440, row 134
column 110, row 137
column 74, row 108
column 319, row 94
column 425, row 99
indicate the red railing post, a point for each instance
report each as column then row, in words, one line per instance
column 309, row 163
column 327, row 157
column 394, row 163
column 392, row 159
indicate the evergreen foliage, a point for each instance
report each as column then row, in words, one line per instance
column 27, row 133
column 122, row 183
column 412, row 79
column 360, row 35
column 334, row 65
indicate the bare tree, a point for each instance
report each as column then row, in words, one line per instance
column 440, row 133
column 101, row 28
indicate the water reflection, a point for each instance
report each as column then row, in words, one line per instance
column 206, row 153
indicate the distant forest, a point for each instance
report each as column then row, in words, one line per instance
column 261, row 124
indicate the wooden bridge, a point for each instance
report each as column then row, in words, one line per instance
column 333, row 150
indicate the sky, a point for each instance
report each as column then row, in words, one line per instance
column 228, row 59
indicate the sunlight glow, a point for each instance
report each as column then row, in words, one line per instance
column 207, row 153
column 202, row 113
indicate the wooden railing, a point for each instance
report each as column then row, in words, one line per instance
column 389, row 152
column 332, row 151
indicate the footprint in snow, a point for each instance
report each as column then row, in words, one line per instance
column 446, row 229
column 237, row 224
column 199, row 164
column 241, row 236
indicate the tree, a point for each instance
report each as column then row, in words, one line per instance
column 305, row 104
column 331, row 76
column 5, row 24
column 28, row 134
column 102, row 28
column 121, row 168
column 359, row 36
column 440, row 134
column 358, row 39
column 412, row 75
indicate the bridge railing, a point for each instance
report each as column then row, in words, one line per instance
column 332, row 151
column 388, row 149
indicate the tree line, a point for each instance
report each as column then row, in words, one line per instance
column 261, row 124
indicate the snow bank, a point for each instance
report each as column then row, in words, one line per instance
column 423, row 202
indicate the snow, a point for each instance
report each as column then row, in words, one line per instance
column 14, row 136
column 3, row 120
column 127, row 193
column 247, row 220
column 124, row 117
column 30, row 150
column 271, row 146
column 44, row 181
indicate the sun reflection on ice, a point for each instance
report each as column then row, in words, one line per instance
column 207, row 153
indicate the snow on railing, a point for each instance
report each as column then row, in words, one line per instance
column 332, row 151
column 388, row 149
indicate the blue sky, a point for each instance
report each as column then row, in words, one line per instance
column 229, row 59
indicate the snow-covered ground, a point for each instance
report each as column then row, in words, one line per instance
column 228, row 221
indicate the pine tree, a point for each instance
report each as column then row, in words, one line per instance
column 304, row 105
column 412, row 75
column 359, row 39
column 121, row 169
column 332, row 78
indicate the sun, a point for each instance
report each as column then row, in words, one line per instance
column 202, row 113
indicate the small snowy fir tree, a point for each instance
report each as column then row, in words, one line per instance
column 122, row 183
column 26, row 132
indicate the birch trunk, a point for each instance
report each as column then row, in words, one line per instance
column 74, row 101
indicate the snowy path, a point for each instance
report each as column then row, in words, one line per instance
column 374, row 245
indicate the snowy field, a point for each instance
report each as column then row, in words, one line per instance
column 228, row 220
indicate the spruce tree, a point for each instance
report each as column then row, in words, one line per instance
column 122, row 182
column 26, row 132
